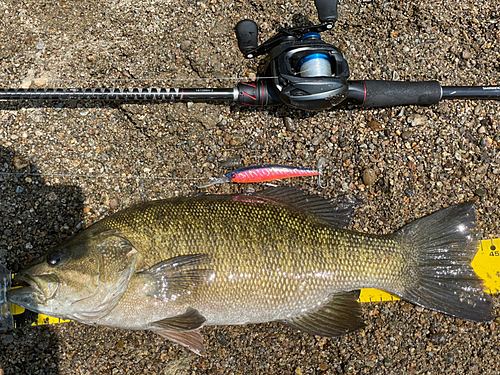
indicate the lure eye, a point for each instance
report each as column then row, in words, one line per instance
column 54, row 258
column 233, row 175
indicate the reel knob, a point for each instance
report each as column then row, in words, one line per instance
column 247, row 33
column 327, row 11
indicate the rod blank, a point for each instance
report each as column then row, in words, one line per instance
column 471, row 92
column 135, row 94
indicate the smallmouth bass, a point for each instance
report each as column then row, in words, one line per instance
column 175, row 265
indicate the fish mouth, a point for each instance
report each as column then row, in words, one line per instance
column 41, row 287
column 26, row 283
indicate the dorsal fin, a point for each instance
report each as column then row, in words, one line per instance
column 337, row 213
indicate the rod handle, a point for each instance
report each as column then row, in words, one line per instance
column 394, row 93
column 327, row 10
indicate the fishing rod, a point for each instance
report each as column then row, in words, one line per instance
column 302, row 71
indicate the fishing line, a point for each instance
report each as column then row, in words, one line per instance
column 96, row 176
column 235, row 78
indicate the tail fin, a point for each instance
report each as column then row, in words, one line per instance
column 443, row 246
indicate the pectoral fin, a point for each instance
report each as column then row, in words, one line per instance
column 188, row 321
column 339, row 316
column 191, row 340
column 176, row 277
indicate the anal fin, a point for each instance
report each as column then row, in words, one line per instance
column 337, row 317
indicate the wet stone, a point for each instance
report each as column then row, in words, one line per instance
column 369, row 176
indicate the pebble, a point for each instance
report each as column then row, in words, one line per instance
column 417, row 120
column 466, row 55
column 388, row 362
column 221, row 339
column 480, row 192
column 41, row 81
column 317, row 140
column 438, row 338
column 25, row 83
column 289, row 125
column 7, row 339
column 19, row 163
column 40, row 45
column 369, row 176
column 375, row 126
column 233, row 162
column 406, row 134
column 185, row 45
column 114, row 203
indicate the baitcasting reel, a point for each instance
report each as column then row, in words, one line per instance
column 304, row 71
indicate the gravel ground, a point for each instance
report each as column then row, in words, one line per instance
column 70, row 164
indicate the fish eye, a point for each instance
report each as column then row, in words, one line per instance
column 54, row 258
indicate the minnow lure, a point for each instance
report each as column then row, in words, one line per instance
column 263, row 173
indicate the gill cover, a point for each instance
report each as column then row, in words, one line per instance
column 116, row 258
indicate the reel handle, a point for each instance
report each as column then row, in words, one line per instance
column 247, row 33
column 327, row 10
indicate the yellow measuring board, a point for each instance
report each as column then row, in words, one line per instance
column 486, row 264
